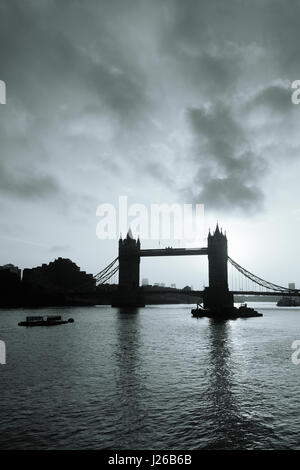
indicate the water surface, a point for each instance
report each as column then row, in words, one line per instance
column 153, row 378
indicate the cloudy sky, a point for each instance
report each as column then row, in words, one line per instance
column 160, row 100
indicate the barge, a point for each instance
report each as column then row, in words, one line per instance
column 50, row 320
column 243, row 311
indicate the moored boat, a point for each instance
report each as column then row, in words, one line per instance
column 244, row 311
column 289, row 302
column 50, row 320
column 200, row 311
column 225, row 313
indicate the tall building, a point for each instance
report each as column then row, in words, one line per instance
column 292, row 286
column 145, row 281
column 61, row 275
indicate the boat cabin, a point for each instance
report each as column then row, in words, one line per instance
column 35, row 318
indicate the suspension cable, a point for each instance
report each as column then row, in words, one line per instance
column 259, row 280
column 109, row 275
column 102, row 273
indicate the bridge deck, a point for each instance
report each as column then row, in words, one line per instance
column 174, row 252
column 200, row 293
column 278, row 294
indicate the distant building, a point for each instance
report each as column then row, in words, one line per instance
column 162, row 284
column 10, row 286
column 156, row 284
column 292, row 285
column 61, row 275
column 12, row 269
column 187, row 288
column 145, row 281
column 173, row 286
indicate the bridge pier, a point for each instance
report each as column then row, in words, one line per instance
column 220, row 302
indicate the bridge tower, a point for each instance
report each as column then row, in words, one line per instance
column 217, row 296
column 129, row 273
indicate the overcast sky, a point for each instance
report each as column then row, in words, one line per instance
column 160, row 100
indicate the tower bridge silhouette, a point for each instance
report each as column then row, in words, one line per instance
column 216, row 296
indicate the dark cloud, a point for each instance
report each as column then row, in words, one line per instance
column 121, row 90
column 275, row 98
column 54, row 53
column 60, row 60
column 229, row 193
column 242, row 54
column 95, row 87
column 228, row 171
column 27, row 183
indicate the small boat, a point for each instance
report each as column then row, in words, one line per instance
column 200, row 311
column 289, row 302
column 232, row 313
column 50, row 320
column 245, row 311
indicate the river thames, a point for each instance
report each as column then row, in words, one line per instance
column 153, row 378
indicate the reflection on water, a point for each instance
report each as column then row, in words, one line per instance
column 232, row 427
column 221, row 380
column 128, row 380
column 150, row 378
